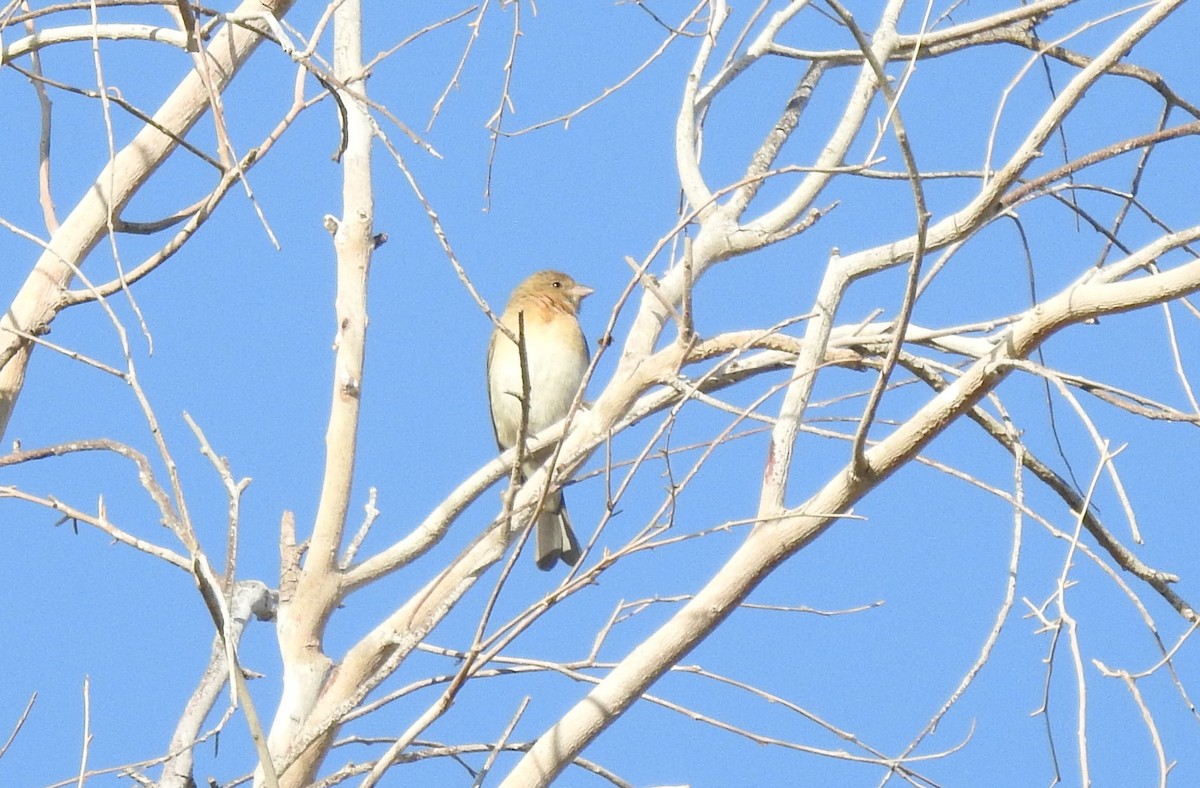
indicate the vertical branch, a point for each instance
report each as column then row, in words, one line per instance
column 1010, row 588
column 795, row 400
column 1071, row 626
column 46, row 196
column 87, row 732
column 303, row 619
column 687, row 125
column 496, row 122
column 250, row 598
column 914, row 270
column 833, row 287
column 353, row 246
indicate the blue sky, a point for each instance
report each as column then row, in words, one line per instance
column 241, row 336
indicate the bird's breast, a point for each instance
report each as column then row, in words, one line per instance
column 557, row 362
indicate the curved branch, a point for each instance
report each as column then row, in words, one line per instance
column 75, row 33
column 36, row 304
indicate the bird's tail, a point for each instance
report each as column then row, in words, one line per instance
column 555, row 538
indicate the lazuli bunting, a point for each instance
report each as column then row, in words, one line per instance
column 557, row 357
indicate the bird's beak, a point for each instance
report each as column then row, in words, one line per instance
column 581, row 291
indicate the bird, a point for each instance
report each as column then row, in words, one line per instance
column 556, row 353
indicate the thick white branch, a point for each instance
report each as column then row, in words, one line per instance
column 772, row 542
column 75, row 33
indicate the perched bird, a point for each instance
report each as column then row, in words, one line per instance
column 557, row 356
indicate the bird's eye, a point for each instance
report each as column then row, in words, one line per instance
column 557, row 283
